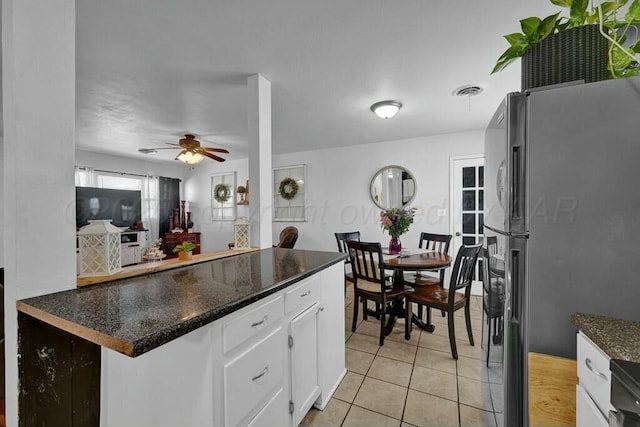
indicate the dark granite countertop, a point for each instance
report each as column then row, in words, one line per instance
column 618, row 338
column 138, row 314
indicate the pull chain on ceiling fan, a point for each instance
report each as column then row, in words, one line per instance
column 192, row 152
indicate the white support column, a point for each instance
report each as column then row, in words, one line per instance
column 38, row 80
column 260, row 174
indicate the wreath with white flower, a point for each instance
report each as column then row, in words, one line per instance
column 221, row 193
column 288, row 188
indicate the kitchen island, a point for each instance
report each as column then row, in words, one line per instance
column 250, row 339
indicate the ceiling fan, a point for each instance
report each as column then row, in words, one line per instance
column 192, row 152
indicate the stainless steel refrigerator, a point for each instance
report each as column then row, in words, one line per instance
column 562, row 177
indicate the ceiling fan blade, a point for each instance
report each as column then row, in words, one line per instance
column 217, row 150
column 209, row 155
column 175, row 145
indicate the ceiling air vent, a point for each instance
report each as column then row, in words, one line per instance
column 470, row 90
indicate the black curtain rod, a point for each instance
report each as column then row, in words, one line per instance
column 119, row 173
column 126, row 173
column 131, row 174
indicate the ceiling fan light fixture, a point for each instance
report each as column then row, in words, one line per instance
column 190, row 157
column 386, row 109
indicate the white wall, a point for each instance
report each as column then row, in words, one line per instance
column 1, row 202
column 216, row 235
column 338, row 186
column 338, row 189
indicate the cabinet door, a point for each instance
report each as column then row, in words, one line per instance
column 305, row 387
column 587, row 413
column 127, row 255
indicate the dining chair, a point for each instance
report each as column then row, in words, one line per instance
column 370, row 283
column 341, row 239
column 493, row 300
column 452, row 299
column 434, row 242
column 492, row 244
column 288, row 237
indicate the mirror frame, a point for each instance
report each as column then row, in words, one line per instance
column 378, row 172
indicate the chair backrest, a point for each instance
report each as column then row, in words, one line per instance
column 435, row 242
column 288, row 237
column 492, row 245
column 463, row 270
column 486, row 279
column 341, row 239
column 366, row 262
column 493, row 286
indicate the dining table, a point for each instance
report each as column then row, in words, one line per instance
column 411, row 260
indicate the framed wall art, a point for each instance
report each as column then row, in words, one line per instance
column 223, row 197
column 290, row 193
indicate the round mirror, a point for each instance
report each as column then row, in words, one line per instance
column 392, row 187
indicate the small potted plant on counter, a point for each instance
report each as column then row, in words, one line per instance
column 185, row 250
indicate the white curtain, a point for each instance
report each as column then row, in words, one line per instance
column 85, row 176
column 150, row 207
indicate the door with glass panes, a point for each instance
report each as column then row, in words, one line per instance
column 467, row 207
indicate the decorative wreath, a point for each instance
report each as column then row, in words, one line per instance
column 288, row 188
column 221, row 193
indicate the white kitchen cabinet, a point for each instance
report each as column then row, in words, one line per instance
column 239, row 369
column 303, row 341
column 593, row 392
column 331, row 353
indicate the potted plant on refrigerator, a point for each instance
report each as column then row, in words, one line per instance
column 184, row 250
column 590, row 44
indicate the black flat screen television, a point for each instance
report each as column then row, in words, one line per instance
column 122, row 207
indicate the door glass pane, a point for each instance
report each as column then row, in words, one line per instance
column 468, row 223
column 469, row 177
column 468, row 200
column 480, row 222
column 468, row 241
column 481, row 176
column 481, row 200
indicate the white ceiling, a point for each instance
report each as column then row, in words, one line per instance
column 149, row 71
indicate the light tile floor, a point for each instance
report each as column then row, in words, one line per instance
column 416, row 382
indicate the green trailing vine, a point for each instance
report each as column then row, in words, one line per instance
column 288, row 188
column 221, row 193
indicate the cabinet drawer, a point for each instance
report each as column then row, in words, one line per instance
column 303, row 295
column 594, row 373
column 275, row 413
column 252, row 377
column 587, row 413
column 248, row 325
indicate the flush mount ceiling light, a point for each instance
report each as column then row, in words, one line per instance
column 386, row 109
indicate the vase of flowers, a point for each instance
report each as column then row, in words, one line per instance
column 396, row 221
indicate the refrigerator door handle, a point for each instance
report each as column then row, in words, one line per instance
column 514, row 305
column 516, row 182
column 507, row 233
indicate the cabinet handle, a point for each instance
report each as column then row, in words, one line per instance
column 587, row 362
column 306, row 293
column 264, row 319
column 320, row 309
column 261, row 374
